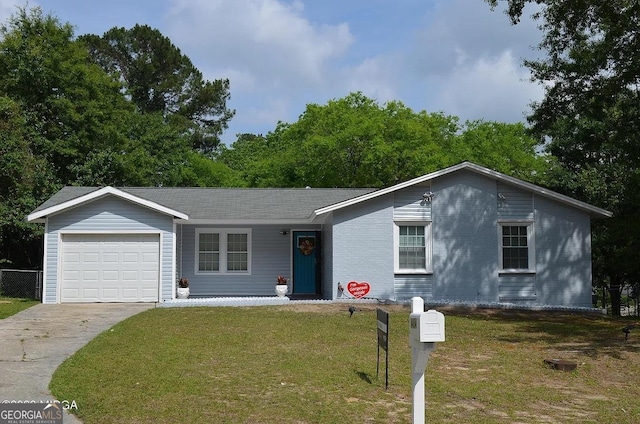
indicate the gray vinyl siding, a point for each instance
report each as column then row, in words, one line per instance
column 50, row 278
column 409, row 205
column 465, row 213
column 363, row 246
column 563, row 255
column 517, row 288
column 516, row 205
column 108, row 215
column 270, row 257
column 465, row 240
column 408, row 286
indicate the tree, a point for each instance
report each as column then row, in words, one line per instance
column 25, row 181
column 591, row 116
column 73, row 105
column 65, row 121
column 507, row 148
column 159, row 78
column 355, row 142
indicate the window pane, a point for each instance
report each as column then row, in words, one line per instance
column 515, row 247
column 412, row 247
column 236, row 262
column 209, row 242
column 237, row 252
column 208, row 261
column 209, row 252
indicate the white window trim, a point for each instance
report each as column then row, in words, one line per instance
column 428, row 247
column 223, row 232
column 531, row 245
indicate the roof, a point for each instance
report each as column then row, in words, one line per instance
column 205, row 204
column 270, row 204
column 594, row 212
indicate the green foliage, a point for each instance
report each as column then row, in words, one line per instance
column 65, row 121
column 201, row 171
column 252, row 158
column 75, row 107
column 591, row 116
column 25, row 181
column 355, row 142
column 159, row 78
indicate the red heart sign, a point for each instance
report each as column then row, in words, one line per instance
column 358, row 290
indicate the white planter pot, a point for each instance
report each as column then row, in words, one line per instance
column 281, row 289
column 183, row 293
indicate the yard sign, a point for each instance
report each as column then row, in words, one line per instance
column 383, row 342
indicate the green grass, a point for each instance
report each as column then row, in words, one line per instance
column 11, row 305
column 316, row 365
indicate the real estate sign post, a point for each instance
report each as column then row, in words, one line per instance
column 383, row 342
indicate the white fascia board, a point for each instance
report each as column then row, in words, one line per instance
column 593, row 210
column 100, row 193
column 244, row 223
column 387, row 190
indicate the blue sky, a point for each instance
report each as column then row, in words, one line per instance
column 451, row 56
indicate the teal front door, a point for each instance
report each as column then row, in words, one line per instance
column 306, row 262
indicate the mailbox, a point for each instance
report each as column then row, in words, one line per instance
column 426, row 327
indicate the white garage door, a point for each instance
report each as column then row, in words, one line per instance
column 110, row 267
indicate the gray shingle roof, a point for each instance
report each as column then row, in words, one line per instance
column 290, row 203
column 228, row 203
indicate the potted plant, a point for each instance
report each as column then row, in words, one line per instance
column 183, row 288
column 281, row 286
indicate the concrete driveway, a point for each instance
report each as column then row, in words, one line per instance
column 34, row 342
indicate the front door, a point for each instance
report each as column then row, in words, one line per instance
column 306, row 263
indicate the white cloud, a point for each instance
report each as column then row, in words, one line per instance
column 466, row 61
column 9, row 7
column 489, row 88
column 274, row 56
column 272, row 112
column 270, row 39
column 374, row 77
column 471, row 29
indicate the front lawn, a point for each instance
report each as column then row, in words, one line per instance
column 316, row 364
column 11, row 305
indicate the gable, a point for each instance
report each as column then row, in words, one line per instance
column 505, row 180
column 69, row 198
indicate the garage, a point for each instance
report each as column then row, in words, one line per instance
column 110, row 268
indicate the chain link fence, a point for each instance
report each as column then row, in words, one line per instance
column 21, row 283
column 629, row 300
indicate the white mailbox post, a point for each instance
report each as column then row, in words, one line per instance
column 425, row 329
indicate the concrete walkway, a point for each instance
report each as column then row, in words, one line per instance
column 34, row 342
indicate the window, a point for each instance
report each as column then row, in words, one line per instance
column 516, row 246
column 413, row 247
column 237, row 252
column 225, row 251
column 209, row 252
